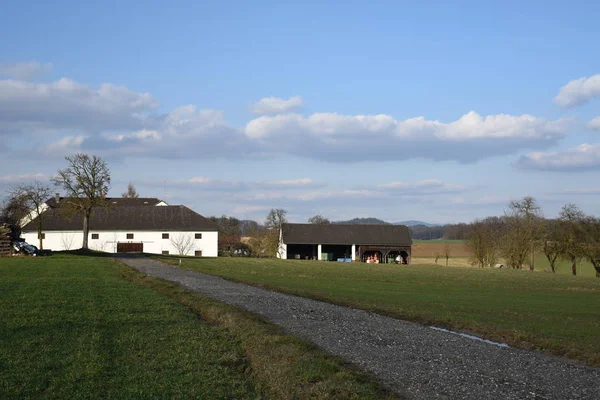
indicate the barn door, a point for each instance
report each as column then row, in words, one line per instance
column 130, row 247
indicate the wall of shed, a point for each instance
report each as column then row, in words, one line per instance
column 107, row 241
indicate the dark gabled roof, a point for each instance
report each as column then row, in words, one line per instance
column 130, row 218
column 397, row 235
column 116, row 201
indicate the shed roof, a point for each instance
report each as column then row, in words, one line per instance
column 131, row 218
column 389, row 235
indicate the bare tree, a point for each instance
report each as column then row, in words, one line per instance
column 131, row 193
column 274, row 222
column 276, row 218
column 34, row 196
column 67, row 240
column 551, row 243
column 86, row 182
column 318, row 220
column 483, row 241
column 184, row 243
column 522, row 234
column 572, row 235
column 229, row 234
column 591, row 247
column 447, row 251
column 12, row 211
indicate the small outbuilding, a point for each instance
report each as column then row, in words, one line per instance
column 331, row 242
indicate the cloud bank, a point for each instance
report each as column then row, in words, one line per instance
column 112, row 120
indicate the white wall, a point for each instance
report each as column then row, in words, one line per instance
column 107, row 241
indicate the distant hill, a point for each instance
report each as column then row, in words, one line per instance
column 362, row 221
column 414, row 223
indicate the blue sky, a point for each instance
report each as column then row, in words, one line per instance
column 432, row 111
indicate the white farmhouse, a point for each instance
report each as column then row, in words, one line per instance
column 146, row 225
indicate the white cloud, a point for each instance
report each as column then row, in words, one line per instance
column 594, row 124
column 65, row 104
column 469, row 126
column 22, row 178
column 302, row 183
column 578, row 91
column 65, row 145
column 24, row 70
column 428, row 186
column 275, row 105
column 113, row 121
column 583, row 157
column 336, row 137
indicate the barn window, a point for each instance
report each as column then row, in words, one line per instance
column 165, row 252
column 130, row 236
column 198, row 253
column 198, row 236
column 165, row 236
column 95, row 236
column 43, row 236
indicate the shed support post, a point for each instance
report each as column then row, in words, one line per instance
column 353, row 252
column 319, row 252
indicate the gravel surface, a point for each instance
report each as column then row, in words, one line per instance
column 413, row 360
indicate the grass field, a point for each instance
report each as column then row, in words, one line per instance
column 89, row 327
column 424, row 252
column 554, row 313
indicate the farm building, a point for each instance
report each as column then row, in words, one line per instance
column 351, row 242
column 128, row 225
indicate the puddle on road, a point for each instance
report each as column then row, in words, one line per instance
column 504, row 345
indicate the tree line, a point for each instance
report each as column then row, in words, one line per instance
column 523, row 232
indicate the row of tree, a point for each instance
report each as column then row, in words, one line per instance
column 522, row 233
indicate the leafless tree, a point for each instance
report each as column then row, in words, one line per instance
column 67, row 240
column 318, row 220
column 131, row 193
column 274, row 222
column 12, row 211
column 86, row 182
column 276, row 218
column 522, row 233
column 447, row 251
column 572, row 234
column 483, row 241
column 34, row 196
column 551, row 243
column 184, row 243
column 591, row 247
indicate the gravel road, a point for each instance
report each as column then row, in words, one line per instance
column 413, row 360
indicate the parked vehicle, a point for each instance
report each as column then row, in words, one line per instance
column 21, row 246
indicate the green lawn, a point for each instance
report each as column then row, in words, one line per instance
column 72, row 327
column 555, row 313
column 89, row 327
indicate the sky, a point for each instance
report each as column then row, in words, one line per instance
column 436, row 111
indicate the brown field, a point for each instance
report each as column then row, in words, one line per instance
column 431, row 249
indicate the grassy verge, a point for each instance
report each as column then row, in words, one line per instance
column 559, row 314
column 75, row 326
